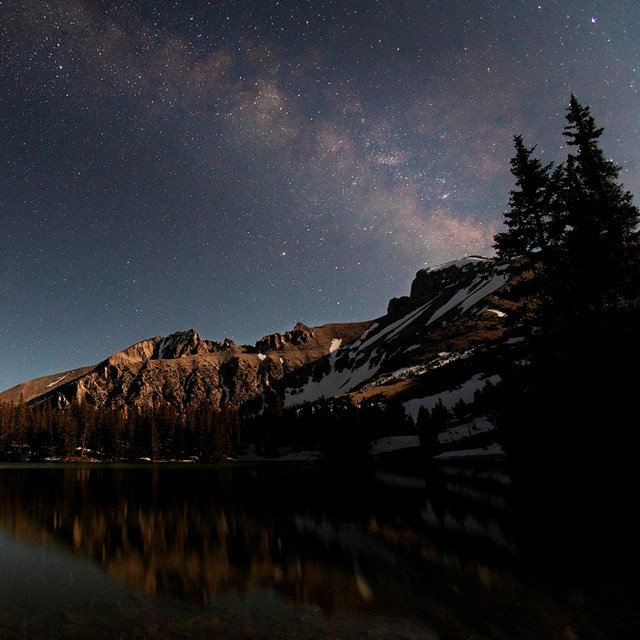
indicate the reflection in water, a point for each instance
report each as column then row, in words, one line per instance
column 279, row 551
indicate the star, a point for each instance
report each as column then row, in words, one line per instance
column 189, row 145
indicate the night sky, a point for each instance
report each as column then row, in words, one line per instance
column 236, row 166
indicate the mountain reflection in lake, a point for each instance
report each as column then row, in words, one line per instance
column 272, row 551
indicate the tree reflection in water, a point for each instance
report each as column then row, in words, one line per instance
column 291, row 551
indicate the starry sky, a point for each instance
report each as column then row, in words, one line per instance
column 236, row 166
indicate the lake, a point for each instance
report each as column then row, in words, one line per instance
column 292, row 551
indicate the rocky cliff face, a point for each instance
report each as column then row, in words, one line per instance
column 300, row 334
column 185, row 369
column 176, row 345
column 453, row 313
column 451, row 274
column 433, row 280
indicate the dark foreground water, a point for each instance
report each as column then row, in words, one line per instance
column 283, row 551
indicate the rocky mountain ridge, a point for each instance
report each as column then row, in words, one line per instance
column 435, row 338
column 432, row 340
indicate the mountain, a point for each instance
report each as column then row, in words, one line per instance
column 182, row 368
column 452, row 314
column 437, row 342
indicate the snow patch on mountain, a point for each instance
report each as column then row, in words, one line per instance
column 334, row 382
column 461, row 263
column 400, row 374
column 55, row 382
column 405, row 373
column 449, row 398
column 395, row 328
column 466, row 298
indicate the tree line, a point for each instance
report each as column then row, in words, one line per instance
column 338, row 428
column 81, row 431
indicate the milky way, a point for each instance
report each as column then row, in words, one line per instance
column 238, row 166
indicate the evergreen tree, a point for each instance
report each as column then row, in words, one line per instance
column 601, row 220
column 39, row 438
column 344, row 438
column 428, row 430
column 68, row 426
column 5, row 435
column 395, row 418
column 20, row 424
column 373, row 417
column 120, row 434
column 531, row 206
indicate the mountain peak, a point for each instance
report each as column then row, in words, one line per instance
column 435, row 279
column 180, row 344
column 277, row 341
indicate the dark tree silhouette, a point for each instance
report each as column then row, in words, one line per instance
column 531, row 206
column 429, row 425
column 600, row 220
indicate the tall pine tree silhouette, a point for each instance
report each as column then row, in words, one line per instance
column 528, row 219
column 600, row 220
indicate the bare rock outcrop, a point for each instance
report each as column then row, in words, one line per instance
column 278, row 341
column 435, row 279
column 398, row 306
column 432, row 280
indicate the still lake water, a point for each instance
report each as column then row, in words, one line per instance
column 291, row 551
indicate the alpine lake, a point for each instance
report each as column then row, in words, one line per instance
column 292, row 550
